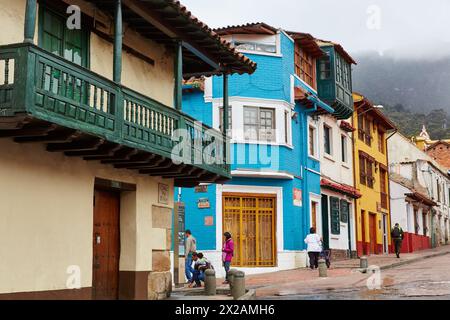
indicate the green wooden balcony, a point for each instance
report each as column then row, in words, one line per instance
column 45, row 98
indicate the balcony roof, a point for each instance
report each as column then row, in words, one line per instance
column 308, row 43
column 338, row 48
column 167, row 20
column 248, row 28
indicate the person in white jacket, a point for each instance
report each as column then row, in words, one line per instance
column 314, row 243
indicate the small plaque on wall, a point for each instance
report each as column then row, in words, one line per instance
column 201, row 189
column 209, row 221
column 163, row 193
column 203, row 203
column 297, row 197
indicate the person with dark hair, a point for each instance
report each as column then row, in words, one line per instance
column 190, row 248
column 314, row 243
column 227, row 254
column 201, row 264
column 397, row 236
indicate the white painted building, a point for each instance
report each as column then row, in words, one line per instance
column 336, row 222
column 425, row 177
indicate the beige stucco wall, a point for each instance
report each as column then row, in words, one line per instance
column 46, row 218
column 156, row 81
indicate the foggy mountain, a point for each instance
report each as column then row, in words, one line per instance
column 419, row 84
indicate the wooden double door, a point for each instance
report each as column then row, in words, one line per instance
column 251, row 221
column 106, row 245
column 372, row 232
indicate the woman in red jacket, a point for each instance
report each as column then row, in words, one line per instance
column 227, row 254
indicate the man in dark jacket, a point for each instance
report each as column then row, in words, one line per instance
column 397, row 237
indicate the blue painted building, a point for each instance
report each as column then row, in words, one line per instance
column 268, row 204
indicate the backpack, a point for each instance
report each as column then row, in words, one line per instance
column 396, row 233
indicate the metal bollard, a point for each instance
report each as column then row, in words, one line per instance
column 231, row 273
column 322, row 268
column 238, row 288
column 363, row 263
column 210, row 282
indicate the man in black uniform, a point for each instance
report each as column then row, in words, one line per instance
column 397, row 237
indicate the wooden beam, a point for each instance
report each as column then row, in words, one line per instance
column 56, row 136
column 107, row 149
column 156, row 19
column 178, row 94
column 30, row 21
column 29, row 131
column 167, row 165
column 79, row 145
column 125, row 153
column 118, row 40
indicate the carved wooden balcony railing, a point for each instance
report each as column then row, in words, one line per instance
column 46, row 98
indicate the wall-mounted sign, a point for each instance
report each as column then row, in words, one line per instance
column 180, row 211
column 163, row 193
column 203, row 203
column 201, row 189
column 209, row 221
column 297, row 197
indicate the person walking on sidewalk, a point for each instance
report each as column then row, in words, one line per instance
column 397, row 236
column 190, row 248
column 227, row 254
column 314, row 243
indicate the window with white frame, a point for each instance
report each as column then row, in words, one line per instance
column 327, row 140
column 259, row 124
column 287, row 127
column 312, row 141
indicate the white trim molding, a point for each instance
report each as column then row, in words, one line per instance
column 262, row 174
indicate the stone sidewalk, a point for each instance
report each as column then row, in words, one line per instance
column 342, row 274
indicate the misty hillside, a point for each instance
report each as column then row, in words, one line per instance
column 417, row 84
column 414, row 92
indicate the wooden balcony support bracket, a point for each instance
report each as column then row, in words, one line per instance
column 137, row 160
column 60, row 135
column 124, row 153
column 107, row 149
column 166, row 165
column 28, row 131
column 78, row 145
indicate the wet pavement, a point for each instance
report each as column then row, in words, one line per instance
column 422, row 280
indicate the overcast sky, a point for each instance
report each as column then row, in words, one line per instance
column 405, row 27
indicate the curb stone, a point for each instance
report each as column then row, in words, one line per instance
column 402, row 263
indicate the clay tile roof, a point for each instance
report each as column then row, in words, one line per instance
column 421, row 198
column 307, row 42
column 173, row 21
column 342, row 188
column 338, row 48
column 247, row 65
column 361, row 101
column 248, row 28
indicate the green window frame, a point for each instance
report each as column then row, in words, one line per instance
column 335, row 216
column 55, row 37
column 345, row 208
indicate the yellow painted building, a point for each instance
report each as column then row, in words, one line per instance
column 371, row 177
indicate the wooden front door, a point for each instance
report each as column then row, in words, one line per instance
column 251, row 221
column 106, row 246
column 373, row 233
